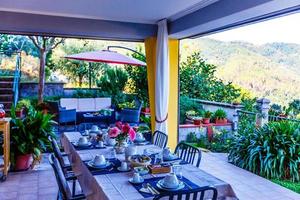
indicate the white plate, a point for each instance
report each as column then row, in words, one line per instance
column 141, row 181
column 82, row 145
column 162, row 187
column 91, row 164
column 122, row 170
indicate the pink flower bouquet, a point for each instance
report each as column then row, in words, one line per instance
column 121, row 132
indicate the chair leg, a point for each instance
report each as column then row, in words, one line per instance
column 73, row 188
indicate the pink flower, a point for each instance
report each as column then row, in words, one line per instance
column 132, row 134
column 113, row 132
column 119, row 125
column 125, row 128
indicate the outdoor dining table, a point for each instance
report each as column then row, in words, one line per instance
column 116, row 186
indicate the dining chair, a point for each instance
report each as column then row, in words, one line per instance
column 66, row 167
column 188, row 153
column 64, row 192
column 193, row 194
column 160, row 139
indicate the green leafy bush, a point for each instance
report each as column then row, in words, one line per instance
column 187, row 104
column 191, row 137
column 272, row 151
column 220, row 114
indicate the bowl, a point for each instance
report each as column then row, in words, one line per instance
column 139, row 160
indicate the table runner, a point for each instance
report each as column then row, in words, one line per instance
column 116, row 185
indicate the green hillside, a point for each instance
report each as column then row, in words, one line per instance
column 270, row 70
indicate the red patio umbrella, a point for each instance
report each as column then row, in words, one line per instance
column 105, row 56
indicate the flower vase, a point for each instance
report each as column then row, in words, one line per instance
column 121, row 146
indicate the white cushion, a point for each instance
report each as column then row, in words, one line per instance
column 102, row 103
column 86, row 104
column 69, row 103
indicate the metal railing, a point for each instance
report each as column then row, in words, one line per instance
column 273, row 118
column 17, row 75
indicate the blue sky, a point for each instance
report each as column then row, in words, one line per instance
column 282, row 29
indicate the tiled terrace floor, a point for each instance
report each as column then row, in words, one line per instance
column 40, row 183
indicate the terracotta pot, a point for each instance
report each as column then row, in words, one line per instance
column 23, row 162
column 146, row 110
column 20, row 113
column 221, row 121
column 197, row 121
column 206, row 120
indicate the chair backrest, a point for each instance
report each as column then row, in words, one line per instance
column 66, row 116
column 188, row 153
column 60, row 178
column 57, row 152
column 194, row 194
column 160, row 139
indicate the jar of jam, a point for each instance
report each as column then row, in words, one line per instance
column 2, row 111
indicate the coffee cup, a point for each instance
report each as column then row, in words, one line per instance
column 99, row 160
column 136, row 178
column 101, row 144
column 94, row 128
column 124, row 166
column 139, row 137
column 170, row 181
column 86, row 132
column 82, row 140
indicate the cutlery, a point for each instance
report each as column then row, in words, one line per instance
column 145, row 186
column 152, row 188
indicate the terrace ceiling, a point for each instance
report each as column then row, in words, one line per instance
column 133, row 19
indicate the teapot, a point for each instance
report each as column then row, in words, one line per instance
column 130, row 151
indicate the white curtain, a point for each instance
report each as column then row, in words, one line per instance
column 162, row 77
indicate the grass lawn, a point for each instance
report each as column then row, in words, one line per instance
column 288, row 184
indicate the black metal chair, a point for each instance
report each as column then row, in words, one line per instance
column 64, row 192
column 66, row 167
column 193, row 194
column 160, row 139
column 188, row 153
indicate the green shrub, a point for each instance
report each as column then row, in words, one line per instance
column 191, row 137
column 207, row 114
column 272, row 151
column 220, row 114
column 187, row 104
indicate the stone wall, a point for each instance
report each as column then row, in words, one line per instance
column 31, row 89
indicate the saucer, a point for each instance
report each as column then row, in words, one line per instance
column 161, row 186
column 170, row 157
column 133, row 182
column 82, row 145
column 122, row 170
column 91, row 164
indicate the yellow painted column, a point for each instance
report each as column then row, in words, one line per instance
column 150, row 45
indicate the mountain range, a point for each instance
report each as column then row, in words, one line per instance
column 270, row 70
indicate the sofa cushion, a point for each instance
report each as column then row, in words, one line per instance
column 69, row 103
column 102, row 103
column 86, row 104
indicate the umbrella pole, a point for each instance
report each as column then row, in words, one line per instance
column 90, row 75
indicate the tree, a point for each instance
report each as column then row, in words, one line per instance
column 138, row 81
column 74, row 70
column 44, row 45
column 198, row 80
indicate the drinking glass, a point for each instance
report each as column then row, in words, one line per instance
column 177, row 169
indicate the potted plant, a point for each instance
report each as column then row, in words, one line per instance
column 207, row 116
column 197, row 120
column 29, row 138
column 22, row 106
column 220, row 116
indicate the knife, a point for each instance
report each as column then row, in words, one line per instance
column 152, row 188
